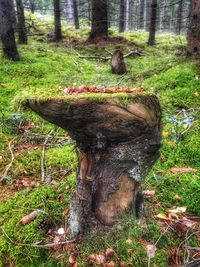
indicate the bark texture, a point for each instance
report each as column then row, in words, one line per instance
column 122, row 16
column 179, row 17
column 152, row 29
column 32, row 6
column 57, row 21
column 117, row 146
column 142, row 2
column 99, row 20
column 76, row 18
column 193, row 35
column 6, row 30
column 21, row 27
column 118, row 64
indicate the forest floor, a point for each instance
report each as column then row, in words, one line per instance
column 45, row 70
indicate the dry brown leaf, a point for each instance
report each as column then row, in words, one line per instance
column 29, row 218
column 110, row 264
column 109, row 252
column 129, row 241
column 148, row 192
column 177, row 210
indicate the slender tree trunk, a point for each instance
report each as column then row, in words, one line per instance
column 21, row 27
column 76, row 18
column 179, row 17
column 122, row 16
column 127, row 7
column 142, row 14
column 152, row 29
column 32, row 6
column 70, row 12
column 145, row 15
column 99, row 20
column 193, row 35
column 162, row 13
column 57, row 21
column 6, row 31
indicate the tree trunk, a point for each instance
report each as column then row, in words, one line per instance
column 179, row 17
column 6, row 30
column 193, row 35
column 76, row 18
column 118, row 64
column 117, row 146
column 21, row 27
column 122, row 16
column 142, row 14
column 57, row 21
column 99, row 20
column 32, row 6
column 152, row 29
column 70, row 12
column 162, row 13
column 127, row 8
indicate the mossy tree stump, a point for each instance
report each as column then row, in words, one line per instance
column 118, row 144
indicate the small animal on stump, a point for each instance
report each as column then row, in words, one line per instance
column 118, row 64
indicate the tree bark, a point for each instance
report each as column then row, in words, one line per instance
column 142, row 2
column 99, row 20
column 152, row 29
column 6, row 31
column 117, row 146
column 21, row 27
column 76, row 18
column 32, row 6
column 118, row 64
column 179, row 17
column 122, row 16
column 193, row 35
column 57, row 21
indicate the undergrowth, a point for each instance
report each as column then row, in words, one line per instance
column 44, row 69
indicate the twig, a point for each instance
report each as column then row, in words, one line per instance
column 36, row 245
column 11, row 162
column 43, row 157
column 108, row 58
column 194, row 263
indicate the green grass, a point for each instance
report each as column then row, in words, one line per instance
column 46, row 68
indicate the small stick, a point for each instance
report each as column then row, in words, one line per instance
column 36, row 245
column 43, row 156
column 108, row 58
column 11, row 162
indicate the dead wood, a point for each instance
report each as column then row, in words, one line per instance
column 118, row 64
column 117, row 146
column 131, row 53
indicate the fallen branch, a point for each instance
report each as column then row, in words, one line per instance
column 11, row 162
column 108, row 58
column 43, row 157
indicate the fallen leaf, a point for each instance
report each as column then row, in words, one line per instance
column 72, row 260
column 177, row 197
column 110, row 264
column 148, row 192
column 109, row 252
column 182, row 170
column 122, row 264
column 151, row 250
column 162, row 216
column 29, row 218
column 91, row 259
column 129, row 241
column 178, row 210
column 100, row 259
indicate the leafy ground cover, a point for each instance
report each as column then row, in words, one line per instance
column 44, row 71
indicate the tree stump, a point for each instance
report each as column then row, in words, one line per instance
column 118, row 140
column 118, row 64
